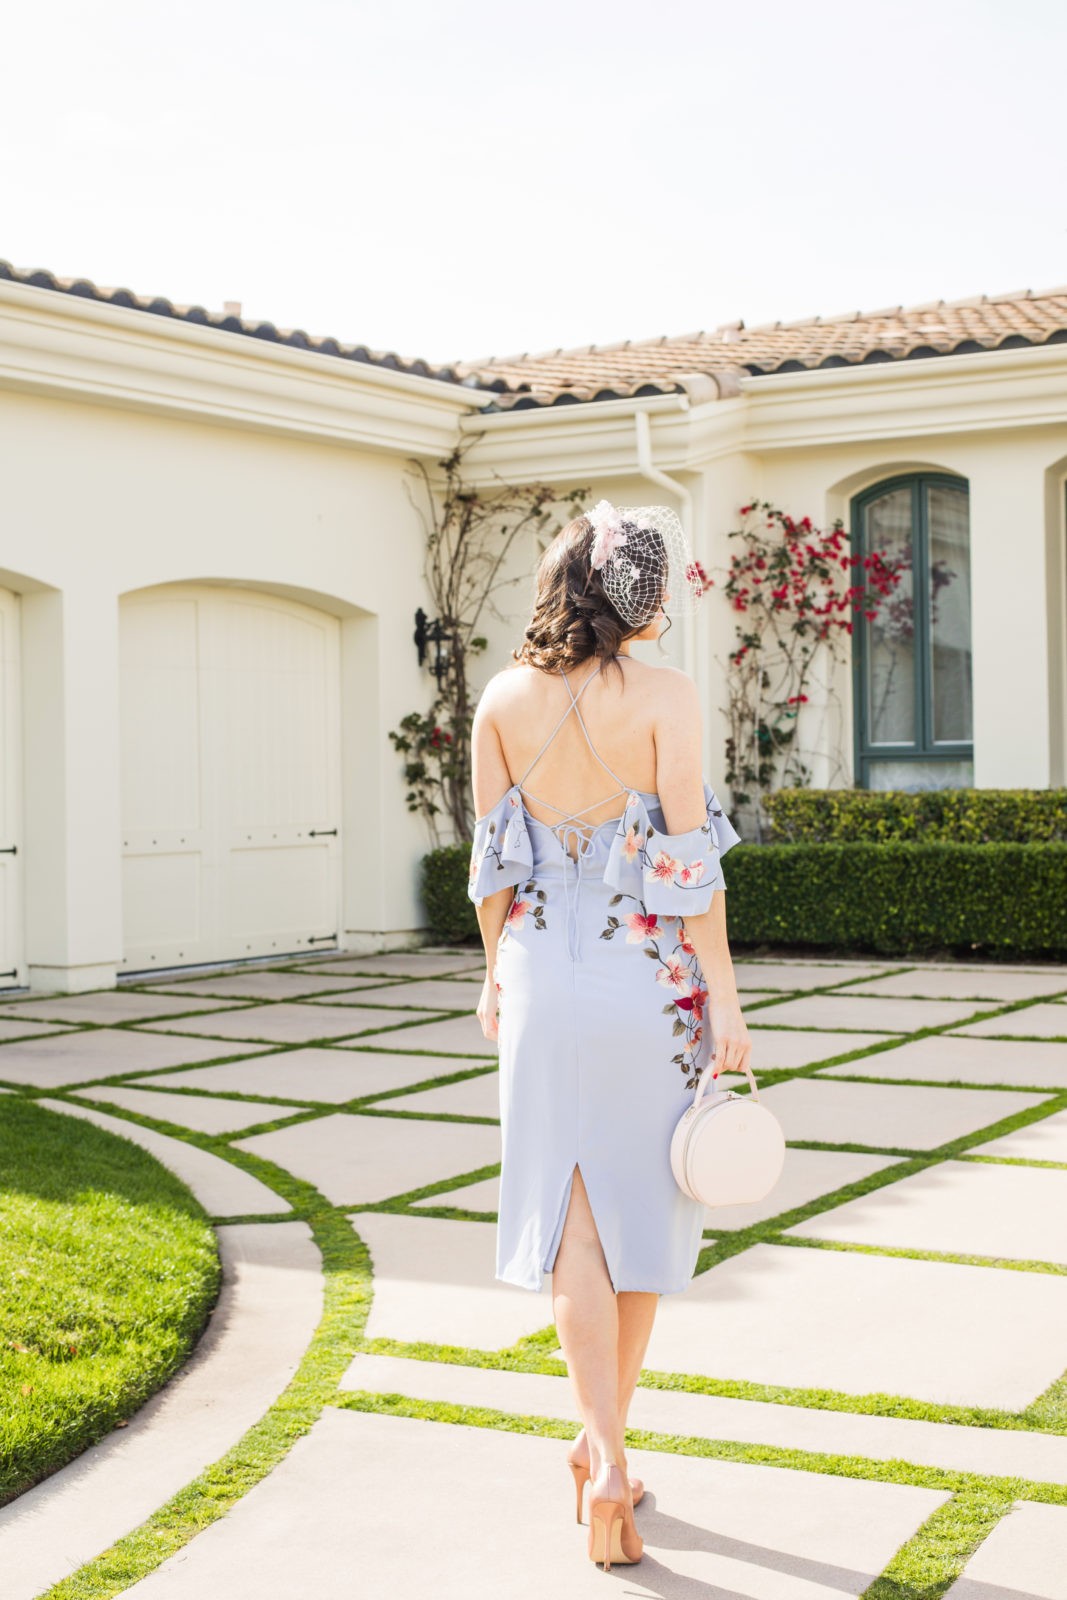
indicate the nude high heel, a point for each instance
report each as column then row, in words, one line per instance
column 581, row 1478
column 580, row 1473
column 612, row 1533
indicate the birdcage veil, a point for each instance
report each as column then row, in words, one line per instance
column 642, row 554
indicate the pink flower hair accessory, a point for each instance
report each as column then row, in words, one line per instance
column 608, row 533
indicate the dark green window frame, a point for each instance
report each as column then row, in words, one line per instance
column 923, row 748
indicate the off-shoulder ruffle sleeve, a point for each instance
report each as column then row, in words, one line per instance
column 674, row 874
column 501, row 855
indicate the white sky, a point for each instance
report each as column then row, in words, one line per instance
column 458, row 178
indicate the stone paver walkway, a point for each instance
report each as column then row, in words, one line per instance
column 863, row 1390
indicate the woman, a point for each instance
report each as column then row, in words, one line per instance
column 600, row 1046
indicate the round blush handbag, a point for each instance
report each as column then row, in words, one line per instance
column 727, row 1149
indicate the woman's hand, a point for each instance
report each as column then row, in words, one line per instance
column 733, row 1047
column 487, row 1008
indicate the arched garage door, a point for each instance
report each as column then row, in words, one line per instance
column 231, row 797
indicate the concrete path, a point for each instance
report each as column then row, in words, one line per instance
column 337, row 1506
column 879, row 1339
column 270, row 1302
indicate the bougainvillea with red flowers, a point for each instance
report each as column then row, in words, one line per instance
column 796, row 590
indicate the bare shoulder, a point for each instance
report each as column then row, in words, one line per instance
column 670, row 694
column 505, row 690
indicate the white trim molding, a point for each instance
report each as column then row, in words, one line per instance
column 88, row 350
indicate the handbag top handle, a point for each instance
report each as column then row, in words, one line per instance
column 706, row 1078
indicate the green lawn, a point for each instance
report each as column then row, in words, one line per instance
column 108, row 1269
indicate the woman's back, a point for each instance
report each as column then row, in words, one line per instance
column 581, row 760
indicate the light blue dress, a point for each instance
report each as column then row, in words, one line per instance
column 602, row 1032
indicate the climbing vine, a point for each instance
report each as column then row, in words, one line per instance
column 796, row 590
column 471, row 534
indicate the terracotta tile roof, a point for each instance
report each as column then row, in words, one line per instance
column 717, row 359
column 727, row 353
column 231, row 323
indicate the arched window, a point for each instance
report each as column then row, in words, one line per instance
column 912, row 662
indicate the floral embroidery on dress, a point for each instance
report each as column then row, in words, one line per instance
column 521, row 908
column 640, row 927
column 661, row 867
column 677, row 971
column 490, row 850
column 671, row 873
column 632, row 843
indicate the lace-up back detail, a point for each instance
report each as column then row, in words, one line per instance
column 570, row 826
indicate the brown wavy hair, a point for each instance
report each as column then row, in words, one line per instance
column 573, row 619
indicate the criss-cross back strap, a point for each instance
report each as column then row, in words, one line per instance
column 565, row 815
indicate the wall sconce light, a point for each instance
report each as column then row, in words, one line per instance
column 427, row 633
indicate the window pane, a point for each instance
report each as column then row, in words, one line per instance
column 912, row 776
column 950, row 613
column 891, row 635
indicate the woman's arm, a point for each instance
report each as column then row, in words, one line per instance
column 492, row 914
column 707, row 934
column 680, row 785
column 491, row 779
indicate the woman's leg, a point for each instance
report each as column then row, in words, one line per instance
column 587, row 1321
column 637, row 1313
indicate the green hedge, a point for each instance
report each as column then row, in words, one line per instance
column 901, row 899
column 444, row 893
column 893, row 898
column 957, row 816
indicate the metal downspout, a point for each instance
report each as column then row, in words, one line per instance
column 643, row 433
